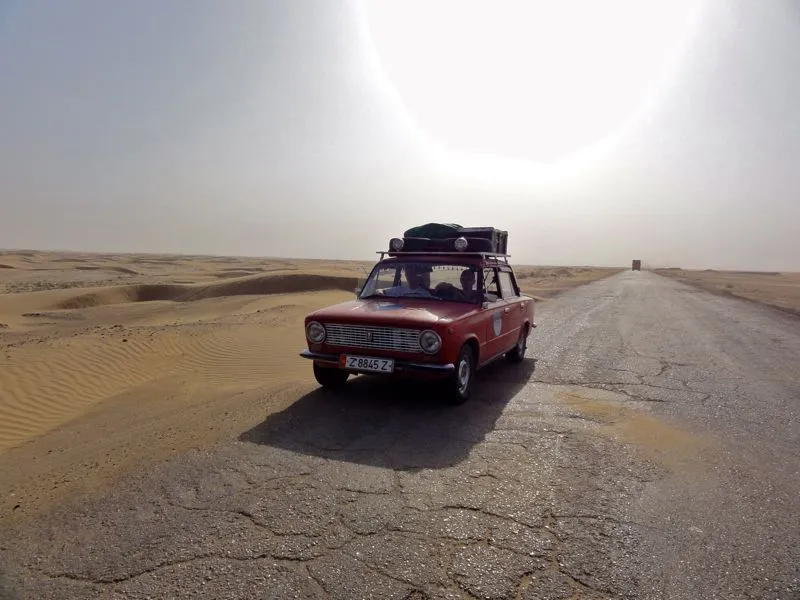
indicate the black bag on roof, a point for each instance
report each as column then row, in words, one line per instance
column 494, row 240
column 441, row 237
column 434, row 231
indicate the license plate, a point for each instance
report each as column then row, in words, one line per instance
column 366, row 363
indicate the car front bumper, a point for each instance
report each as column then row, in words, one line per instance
column 404, row 366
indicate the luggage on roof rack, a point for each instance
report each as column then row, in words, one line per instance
column 433, row 231
column 495, row 240
column 441, row 237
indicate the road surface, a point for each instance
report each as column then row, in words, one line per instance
column 648, row 448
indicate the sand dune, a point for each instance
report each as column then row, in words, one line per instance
column 779, row 290
column 154, row 261
column 123, row 270
column 80, row 358
column 250, row 286
column 43, row 389
column 547, row 282
column 63, row 352
column 244, row 272
column 46, row 384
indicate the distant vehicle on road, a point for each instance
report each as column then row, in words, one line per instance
column 440, row 304
column 636, row 266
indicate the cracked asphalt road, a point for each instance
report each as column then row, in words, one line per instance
column 648, row 448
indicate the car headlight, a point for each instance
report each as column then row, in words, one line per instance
column 430, row 342
column 315, row 332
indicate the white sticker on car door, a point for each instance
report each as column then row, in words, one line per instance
column 497, row 322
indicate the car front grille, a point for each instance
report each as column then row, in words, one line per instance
column 373, row 338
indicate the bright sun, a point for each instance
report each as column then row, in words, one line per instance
column 534, row 80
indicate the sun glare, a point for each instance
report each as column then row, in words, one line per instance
column 532, row 80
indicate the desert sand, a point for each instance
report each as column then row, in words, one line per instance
column 111, row 362
column 780, row 290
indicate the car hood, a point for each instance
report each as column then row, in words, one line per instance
column 401, row 311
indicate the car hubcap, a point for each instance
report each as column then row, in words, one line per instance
column 463, row 375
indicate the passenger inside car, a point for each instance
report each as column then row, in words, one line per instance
column 468, row 285
column 492, row 291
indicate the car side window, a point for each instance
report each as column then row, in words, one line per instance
column 507, row 287
column 491, row 284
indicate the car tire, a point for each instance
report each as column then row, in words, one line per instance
column 330, row 377
column 459, row 385
column 517, row 353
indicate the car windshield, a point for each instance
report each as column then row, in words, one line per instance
column 413, row 279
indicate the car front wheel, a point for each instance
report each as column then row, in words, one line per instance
column 330, row 377
column 459, row 384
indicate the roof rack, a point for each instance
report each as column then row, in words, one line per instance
column 483, row 255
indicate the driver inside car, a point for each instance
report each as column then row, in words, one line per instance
column 417, row 280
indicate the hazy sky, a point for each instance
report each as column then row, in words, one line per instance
column 322, row 128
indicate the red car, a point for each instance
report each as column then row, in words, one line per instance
column 440, row 304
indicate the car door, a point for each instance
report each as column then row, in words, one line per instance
column 514, row 309
column 495, row 322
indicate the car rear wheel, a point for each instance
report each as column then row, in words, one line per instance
column 517, row 353
column 330, row 377
column 459, row 384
